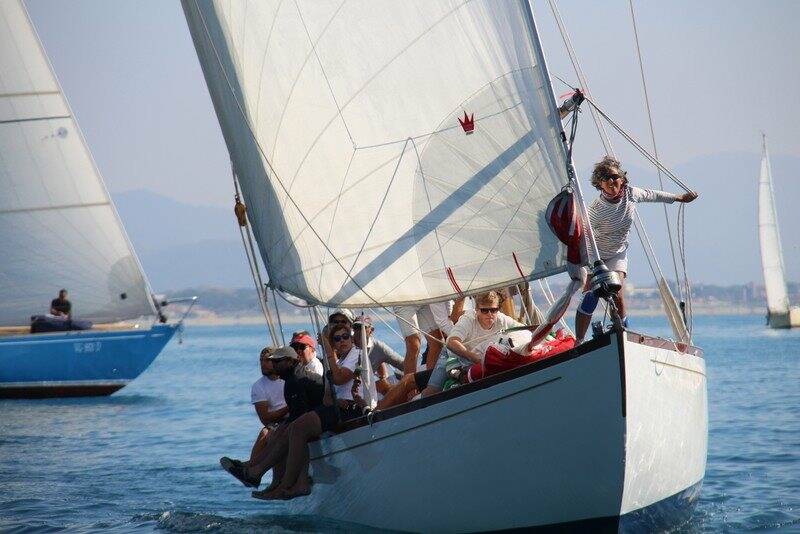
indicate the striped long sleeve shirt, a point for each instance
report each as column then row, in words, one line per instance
column 611, row 222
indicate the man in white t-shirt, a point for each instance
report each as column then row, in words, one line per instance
column 474, row 332
column 266, row 396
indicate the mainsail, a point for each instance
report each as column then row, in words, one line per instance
column 389, row 152
column 58, row 227
column 771, row 252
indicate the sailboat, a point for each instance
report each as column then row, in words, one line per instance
column 405, row 153
column 779, row 313
column 59, row 229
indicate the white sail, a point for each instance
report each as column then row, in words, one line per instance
column 58, row 227
column 344, row 123
column 771, row 252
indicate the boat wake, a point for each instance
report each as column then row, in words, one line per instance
column 184, row 521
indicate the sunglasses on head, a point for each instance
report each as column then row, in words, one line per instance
column 343, row 337
column 489, row 310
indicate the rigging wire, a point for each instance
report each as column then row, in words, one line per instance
column 597, row 113
column 244, row 231
column 655, row 147
column 642, row 150
column 604, row 138
column 278, row 315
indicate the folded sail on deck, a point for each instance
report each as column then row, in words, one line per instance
column 771, row 252
column 390, row 152
column 58, row 227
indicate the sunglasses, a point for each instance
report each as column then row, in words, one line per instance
column 298, row 347
column 610, row 177
column 489, row 310
column 343, row 337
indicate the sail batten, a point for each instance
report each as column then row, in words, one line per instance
column 58, row 227
column 388, row 152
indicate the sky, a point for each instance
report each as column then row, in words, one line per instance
column 718, row 73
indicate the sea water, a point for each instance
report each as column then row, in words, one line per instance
column 147, row 457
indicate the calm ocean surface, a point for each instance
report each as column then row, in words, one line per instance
column 147, row 458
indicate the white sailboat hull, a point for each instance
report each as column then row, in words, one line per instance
column 791, row 319
column 611, row 429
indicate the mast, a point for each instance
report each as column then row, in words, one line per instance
column 604, row 282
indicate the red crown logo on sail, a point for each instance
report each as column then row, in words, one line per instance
column 468, row 123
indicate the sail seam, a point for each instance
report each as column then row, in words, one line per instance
column 29, row 93
column 48, row 208
column 322, row 68
column 32, row 119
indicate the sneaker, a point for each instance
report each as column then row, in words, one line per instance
column 239, row 471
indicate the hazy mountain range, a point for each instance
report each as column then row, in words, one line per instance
column 183, row 245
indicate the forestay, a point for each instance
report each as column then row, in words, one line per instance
column 58, row 227
column 389, row 152
column 771, row 252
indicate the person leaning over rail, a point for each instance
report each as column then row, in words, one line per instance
column 471, row 336
column 266, row 395
column 344, row 360
column 611, row 216
column 303, row 391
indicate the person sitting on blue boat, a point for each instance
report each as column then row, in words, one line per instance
column 61, row 307
column 611, row 216
column 474, row 332
column 266, row 396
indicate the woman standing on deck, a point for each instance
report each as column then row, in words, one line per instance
column 611, row 216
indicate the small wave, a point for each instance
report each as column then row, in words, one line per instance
column 184, row 521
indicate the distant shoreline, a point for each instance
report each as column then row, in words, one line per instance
column 234, row 320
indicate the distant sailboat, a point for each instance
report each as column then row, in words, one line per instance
column 59, row 228
column 779, row 313
column 405, row 153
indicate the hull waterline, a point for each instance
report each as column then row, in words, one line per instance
column 791, row 319
column 77, row 364
column 611, row 434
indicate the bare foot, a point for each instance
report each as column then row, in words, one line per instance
column 298, row 490
column 277, row 494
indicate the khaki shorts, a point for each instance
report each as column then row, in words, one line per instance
column 419, row 316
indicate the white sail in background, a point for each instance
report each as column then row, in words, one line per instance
column 344, row 123
column 771, row 252
column 58, row 227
